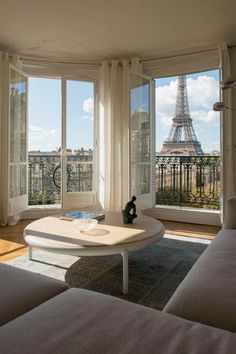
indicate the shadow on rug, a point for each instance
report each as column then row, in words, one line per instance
column 154, row 272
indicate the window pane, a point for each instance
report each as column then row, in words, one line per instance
column 17, row 180
column 188, row 141
column 140, row 136
column 80, row 132
column 140, row 182
column 17, row 117
column 44, row 156
column 18, row 85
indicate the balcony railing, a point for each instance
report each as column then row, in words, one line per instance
column 44, row 177
column 190, row 181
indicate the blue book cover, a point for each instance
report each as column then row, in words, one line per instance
column 78, row 214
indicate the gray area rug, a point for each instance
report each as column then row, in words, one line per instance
column 154, row 272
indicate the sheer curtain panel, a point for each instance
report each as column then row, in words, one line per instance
column 10, row 135
column 4, row 104
column 114, row 110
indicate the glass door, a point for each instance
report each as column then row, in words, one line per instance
column 44, row 143
column 78, row 144
column 18, row 191
column 141, row 140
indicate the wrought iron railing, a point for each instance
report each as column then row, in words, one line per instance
column 191, row 181
column 44, row 177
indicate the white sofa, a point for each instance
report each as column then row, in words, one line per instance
column 208, row 293
column 41, row 315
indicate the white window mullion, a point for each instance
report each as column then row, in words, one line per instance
column 153, row 141
column 63, row 145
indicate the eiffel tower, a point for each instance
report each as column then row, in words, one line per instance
column 182, row 139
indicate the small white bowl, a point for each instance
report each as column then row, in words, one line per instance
column 85, row 223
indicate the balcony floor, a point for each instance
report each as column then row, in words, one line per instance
column 207, row 232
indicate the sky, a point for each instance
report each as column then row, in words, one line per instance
column 45, row 114
column 45, row 111
column 203, row 91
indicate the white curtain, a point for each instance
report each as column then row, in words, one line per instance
column 114, row 107
column 5, row 60
column 182, row 64
column 4, row 99
column 227, row 133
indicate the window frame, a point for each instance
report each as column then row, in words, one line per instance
column 183, row 65
column 17, row 204
column 72, row 72
column 70, row 199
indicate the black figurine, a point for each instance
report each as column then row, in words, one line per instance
column 129, row 212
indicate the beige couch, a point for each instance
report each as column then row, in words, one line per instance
column 41, row 315
column 208, row 293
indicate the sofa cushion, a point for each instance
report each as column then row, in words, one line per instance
column 208, row 293
column 22, row 290
column 81, row 321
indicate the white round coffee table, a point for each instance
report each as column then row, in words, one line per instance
column 110, row 236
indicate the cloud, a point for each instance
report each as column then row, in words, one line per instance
column 41, row 147
column 88, row 105
column 166, row 120
column 203, row 91
column 36, row 132
column 49, row 147
column 165, row 102
column 202, row 117
column 143, row 108
column 86, row 117
column 166, row 95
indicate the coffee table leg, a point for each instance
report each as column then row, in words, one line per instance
column 125, row 271
column 30, row 252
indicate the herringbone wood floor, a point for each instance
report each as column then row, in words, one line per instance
column 12, row 244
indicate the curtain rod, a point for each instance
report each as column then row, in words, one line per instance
column 57, row 61
column 178, row 55
column 97, row 64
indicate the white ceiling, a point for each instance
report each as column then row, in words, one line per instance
column 100, row 29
